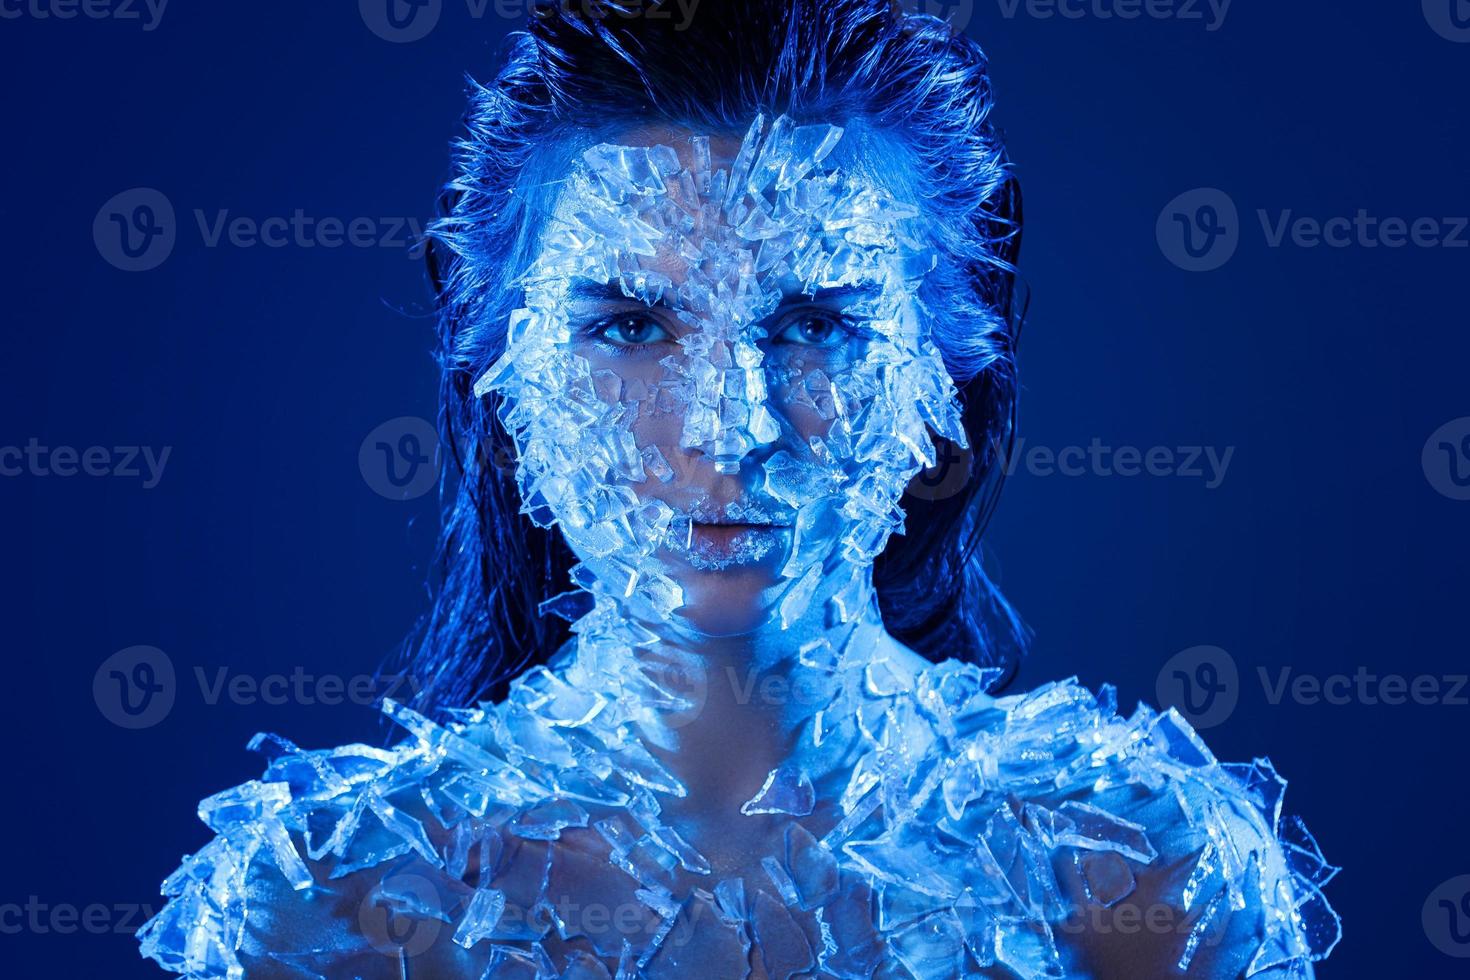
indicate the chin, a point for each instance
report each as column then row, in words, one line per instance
column 729, row 595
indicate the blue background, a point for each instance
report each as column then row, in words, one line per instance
column 264, row 549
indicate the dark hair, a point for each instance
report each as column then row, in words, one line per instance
column 563, row 83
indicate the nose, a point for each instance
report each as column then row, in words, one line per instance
column 737, row 420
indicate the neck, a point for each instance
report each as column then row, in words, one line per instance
column 799, row 642
column 752, row 700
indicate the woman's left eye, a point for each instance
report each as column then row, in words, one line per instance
column 812, row 328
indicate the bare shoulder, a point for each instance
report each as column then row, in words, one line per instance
column 356, row 861
column 1201, row 905
column 1166, row 861
column 289, row 880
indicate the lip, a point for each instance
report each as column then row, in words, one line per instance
column 741, row 525
column 740, row 514
column 715, row 547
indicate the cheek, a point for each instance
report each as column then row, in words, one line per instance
column 652, row 413
column 658, row 428
column 806, row 420
column 633, row 372
column 812, row 388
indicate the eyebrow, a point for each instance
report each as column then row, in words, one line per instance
column 838, row 294
column 590, row 291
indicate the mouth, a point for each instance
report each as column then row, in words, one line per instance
column 733, row 526
column 738, row 534
column 716, row 547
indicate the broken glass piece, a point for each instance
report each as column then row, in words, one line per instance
column 511, row 963
column 481, row 917
column 584, row 966
column 786, row 790
column 548, row 820
column 1106, row 877
column 1096, row 829
column 781, row 879
column 812, row 868
column 1027, row 947
column 1212, row 914
column 783, row 945
column 932, row 948
column 702, row 942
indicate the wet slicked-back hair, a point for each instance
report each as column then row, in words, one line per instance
column 580, row 73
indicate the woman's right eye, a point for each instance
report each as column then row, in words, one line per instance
column 630, row 330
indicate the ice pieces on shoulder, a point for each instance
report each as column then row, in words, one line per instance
column 960, row 813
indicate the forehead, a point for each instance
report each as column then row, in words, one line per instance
column 723, row 146
column 676, row 202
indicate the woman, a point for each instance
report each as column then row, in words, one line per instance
column 718, row 296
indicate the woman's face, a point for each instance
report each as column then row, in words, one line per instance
column 720, row 384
